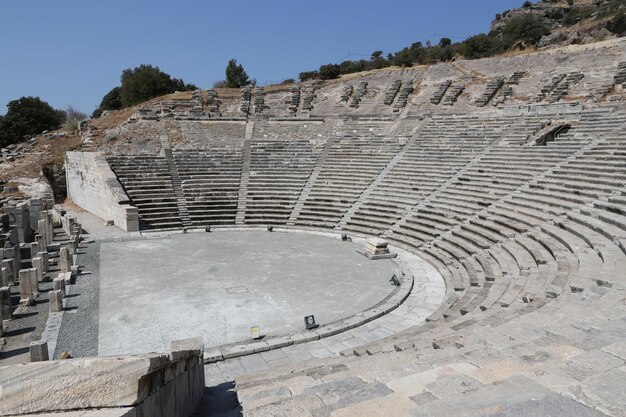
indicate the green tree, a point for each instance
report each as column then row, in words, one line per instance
column 377, row 60
column 443, row 42
column 403, row 58
column 111, row 101
column 236, row 76
column 528, row 29
column 28, row 116
column 308, row 75
column 479, row 46
column 145, row 82
column 329, row 71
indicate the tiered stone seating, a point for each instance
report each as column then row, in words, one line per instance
column 391, row 92
column 246, row 99
column 346, row 92
column 441, row 149
column 212, row 103
column 148, row 183
column 551, row 86
column 500, row 340
column 534, row 306
column 453, row 94
column 530, row 241
column 210, row 182
column 506, row 91
column 441, row 91
column 562, row 89
column 359, row 92
column 559, row 86
column 279, row 170
column 490, row 92
column 308, row 96
column 353, row 162
column 403, row 96
column 293, row 102
column 259, row 100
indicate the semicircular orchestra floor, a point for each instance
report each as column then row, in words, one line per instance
column 218, row 285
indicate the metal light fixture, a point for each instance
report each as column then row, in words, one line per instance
column 309, row 322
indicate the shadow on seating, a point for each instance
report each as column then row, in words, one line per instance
column 220, row 400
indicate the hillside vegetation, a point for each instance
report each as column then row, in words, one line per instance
column 548, row 23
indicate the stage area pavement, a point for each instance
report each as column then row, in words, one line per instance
column 219, row 284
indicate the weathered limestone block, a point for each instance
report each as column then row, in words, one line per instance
column 34, row 249
column 376, row 248
column 42, row 230
column 12, row 252
column 34, row 281
column 66, row 277
column 40, row 241
column 58, row 284
column 20, row 218
column 156, row 385
column 65, row 261
column 38, row 267
column 73, row 245
column 38, row 351
column 27, row 296
column 9, row 266
column 45, row 261
column 55, row 299
column 6, row 308
column 50, row 227
column 5, row 279
column 35, row 206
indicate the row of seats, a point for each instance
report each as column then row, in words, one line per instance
column 530, row 242
column 148, row 183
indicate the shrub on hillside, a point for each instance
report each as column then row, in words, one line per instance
column 479, row 46
column 308, row 75
column 145, row 82
column 528, row 29
column 329, row 71
column 28, row 116
column 111, row 101
column 72, row 118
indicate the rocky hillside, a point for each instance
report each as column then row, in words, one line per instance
column 571, row 22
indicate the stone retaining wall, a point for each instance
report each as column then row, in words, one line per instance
column 168, row 385
column 93, row 186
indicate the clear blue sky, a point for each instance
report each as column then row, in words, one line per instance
column 72, row 52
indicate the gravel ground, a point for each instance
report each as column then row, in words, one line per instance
column 79, row 329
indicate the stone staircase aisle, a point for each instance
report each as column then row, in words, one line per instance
column 365, row 196
column 309, row 184
column 245, row 176
column 181, row 202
